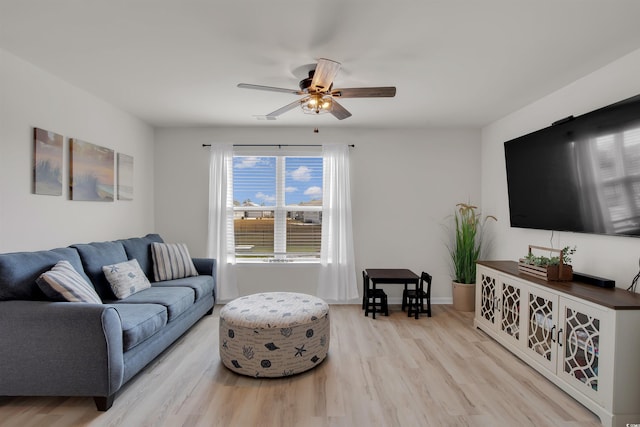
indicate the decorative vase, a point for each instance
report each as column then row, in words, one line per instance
column 464, row 296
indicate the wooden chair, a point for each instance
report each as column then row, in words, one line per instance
column 371, row 299
column 416, row 297
column 405, row 297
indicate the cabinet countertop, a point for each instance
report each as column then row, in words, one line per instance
column 613, row 298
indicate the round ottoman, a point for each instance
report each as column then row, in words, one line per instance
column 274, row 334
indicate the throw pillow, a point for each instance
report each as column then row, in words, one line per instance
column 171, row 261
column 126, row 278
column 64, row 283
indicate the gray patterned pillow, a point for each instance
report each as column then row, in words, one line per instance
column 126, row 278
column 64, row 283
column 171, row 261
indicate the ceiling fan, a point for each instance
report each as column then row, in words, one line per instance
column 318, row 94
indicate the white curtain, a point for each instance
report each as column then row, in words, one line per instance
column 337, row 281
column 220, row 240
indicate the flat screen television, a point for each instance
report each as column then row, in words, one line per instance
column 581, row 174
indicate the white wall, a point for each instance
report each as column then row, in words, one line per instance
column 606, row 256
column 30, row 97
column 405, row 183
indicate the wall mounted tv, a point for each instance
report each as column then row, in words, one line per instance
column 580, row 174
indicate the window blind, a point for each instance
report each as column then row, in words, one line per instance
column 277, row 204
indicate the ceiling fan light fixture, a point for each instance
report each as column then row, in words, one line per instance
column 318, row 95
column 317, row 104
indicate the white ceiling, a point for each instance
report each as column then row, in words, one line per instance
column 454, row 63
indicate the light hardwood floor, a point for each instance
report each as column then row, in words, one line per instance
column 392, row 371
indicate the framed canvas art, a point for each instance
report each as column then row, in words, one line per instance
column 47, row 162
column 125, row 177
column 91, row 172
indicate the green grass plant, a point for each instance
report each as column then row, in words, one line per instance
column 467, row 245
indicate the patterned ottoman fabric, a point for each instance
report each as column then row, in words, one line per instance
column 274, row 334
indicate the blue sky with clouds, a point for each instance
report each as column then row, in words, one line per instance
column 255, row 179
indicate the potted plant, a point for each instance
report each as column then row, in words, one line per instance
column 551, row 268
column 465, row 251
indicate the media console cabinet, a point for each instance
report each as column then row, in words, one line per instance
column 583, row 338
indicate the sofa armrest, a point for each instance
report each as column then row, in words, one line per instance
column 207, row 266
column 59, row 349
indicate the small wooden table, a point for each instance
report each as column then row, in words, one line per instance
column 401, row 276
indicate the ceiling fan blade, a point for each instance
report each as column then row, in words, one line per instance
column 365, row 92
column 339, row 111
column 324, row 74
column 294, row 104
column 269, row 88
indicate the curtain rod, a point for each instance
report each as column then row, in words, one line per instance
column 276, row 145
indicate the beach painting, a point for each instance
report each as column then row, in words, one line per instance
column 92, row 172
column 47, row 162
column 125, row 177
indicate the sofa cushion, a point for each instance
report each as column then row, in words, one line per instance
column 171, row 261
column 202, row 285
column 64, row 283
column 20, row 270
column 94, row 256
column 126, row 278
column 176, row 300
column 139, row 322
column 140, row 248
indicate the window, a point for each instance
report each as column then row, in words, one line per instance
column 277, row 206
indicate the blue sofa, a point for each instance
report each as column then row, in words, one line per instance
column 50, row 348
